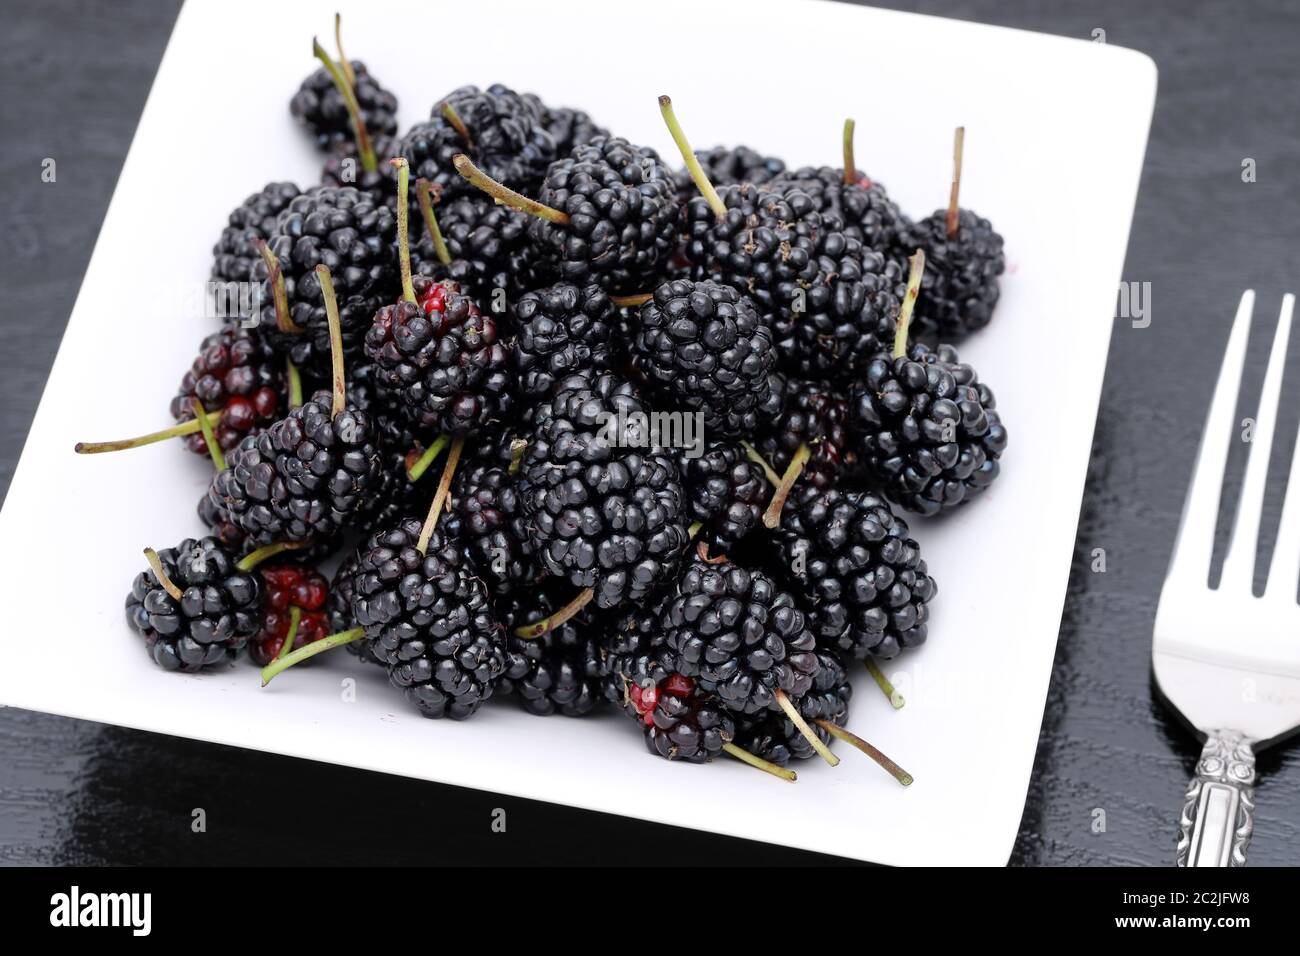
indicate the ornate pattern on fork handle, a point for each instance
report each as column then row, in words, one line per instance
column 1219, row 812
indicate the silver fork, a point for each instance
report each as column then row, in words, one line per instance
column 1227, row 661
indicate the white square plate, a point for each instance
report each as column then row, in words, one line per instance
column 1056, row 130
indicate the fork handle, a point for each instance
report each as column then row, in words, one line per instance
column 1219, row 812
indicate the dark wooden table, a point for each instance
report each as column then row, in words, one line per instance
column 75, row 75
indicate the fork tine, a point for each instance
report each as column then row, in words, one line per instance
column 1195, row 544
column 1284, row 571
column 1239, row 565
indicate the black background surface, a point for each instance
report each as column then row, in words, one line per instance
column 74, row 78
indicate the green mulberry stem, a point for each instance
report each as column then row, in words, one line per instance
column 310, row 650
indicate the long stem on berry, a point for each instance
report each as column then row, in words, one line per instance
column 801, row 725
column 895, row 698
column 283, row 321
column 451, row 116
column 517, row 448
column 772, row 516
column 631, row 301
column 850, row 167
column 756, row 761
column 768, row 471
column 958, row 141
column 364, row 148
column 295, row 619
column 693, row 166
column 340, row 384
column 176, row 431
column 209, row 436
column 155, row 563
column 295, row 383
column 551, row 622
column 504, row 195
column 440, row 496
column 917, row 262
column 424, row 190
column 344, row 63
column 403, row 225
column 254, row 558
column 416, row 471
column 894, row 770
column 310, row 650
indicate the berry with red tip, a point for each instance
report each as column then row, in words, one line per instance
column 679, row 721
column 442, row 360
column 290, row 586
column 232, row 372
